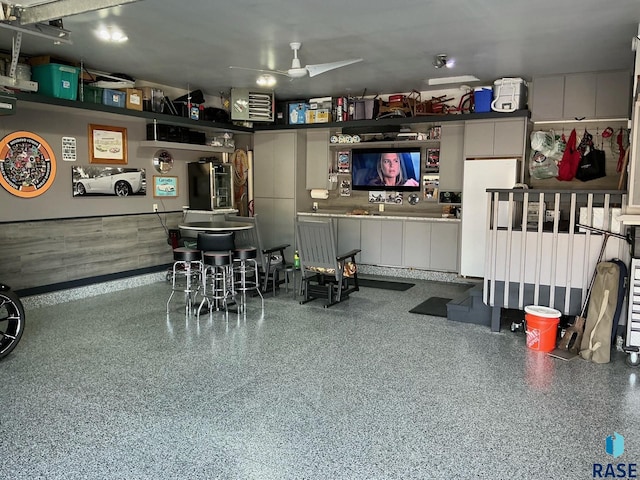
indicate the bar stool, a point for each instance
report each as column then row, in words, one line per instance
column 246, row 273
column 187, row 265
column 217, row 271
column 217, row 280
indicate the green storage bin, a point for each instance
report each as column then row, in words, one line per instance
column 90, row 94
column 54, row 80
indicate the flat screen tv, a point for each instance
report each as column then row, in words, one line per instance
column 386, row 168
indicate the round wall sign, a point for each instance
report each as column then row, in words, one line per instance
column 27, row 164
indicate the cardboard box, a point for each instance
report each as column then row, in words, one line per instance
column 134, row 98
column 323, row 115
column 298, row 113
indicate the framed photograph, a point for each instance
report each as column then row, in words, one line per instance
column 165, row 186
column 343, row 162
column 98, row 180
column 433, row 159
column 107, row 144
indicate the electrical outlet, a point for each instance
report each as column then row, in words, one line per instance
column 155, row 207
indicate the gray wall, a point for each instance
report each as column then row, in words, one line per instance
column 52, row 123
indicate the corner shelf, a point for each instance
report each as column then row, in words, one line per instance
column 184, row 146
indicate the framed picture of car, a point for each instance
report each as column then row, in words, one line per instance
column 93, row 180
column 107, row 144
column 165, row 186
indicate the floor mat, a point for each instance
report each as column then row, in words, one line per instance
column 436, row 306
column 386, row 285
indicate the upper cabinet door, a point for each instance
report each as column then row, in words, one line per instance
column 602, row 95
column 613, row 94
column 547, row 98
column 580, row 96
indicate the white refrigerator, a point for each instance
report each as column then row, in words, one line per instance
column 480, row 174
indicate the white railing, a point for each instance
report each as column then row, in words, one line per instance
column 536, row 252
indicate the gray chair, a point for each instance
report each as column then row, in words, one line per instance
column 325, row 273
column 271, row 260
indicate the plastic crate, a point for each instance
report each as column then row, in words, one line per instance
column 55, row 80
column 90, row 94
column 114, row 98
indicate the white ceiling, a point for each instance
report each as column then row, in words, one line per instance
column 191, row 44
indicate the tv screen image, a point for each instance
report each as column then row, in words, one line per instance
column 395, row 169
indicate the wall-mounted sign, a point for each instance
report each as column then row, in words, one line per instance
column 165, row 186
column 69, row 152
column 27, row 164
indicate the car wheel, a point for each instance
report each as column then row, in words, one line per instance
column 80, row 190
column 12, row 320
column 123, row 189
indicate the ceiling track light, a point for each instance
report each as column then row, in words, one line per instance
column 442, row 60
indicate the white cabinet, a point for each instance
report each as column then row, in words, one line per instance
column 381, row 242
column 445, row 239
column 318, row 158
column 581, row 95
column 431, row 245
column 420, row 244
column 349, row 236
column 275, row 176
column 451, row 156
column 495, row 138
column 417, row 244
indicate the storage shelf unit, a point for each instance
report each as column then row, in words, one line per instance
column 185, row 146
column 160, row 117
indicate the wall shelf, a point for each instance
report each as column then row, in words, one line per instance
column 383, row 143
column 184, row 146
column 160, row 117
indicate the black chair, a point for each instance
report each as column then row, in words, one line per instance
column 271, row 260
column 325, row 273
column 216, row 250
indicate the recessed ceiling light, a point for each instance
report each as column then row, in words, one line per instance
column 447, row 80
column 266, row 80
column 111, row 34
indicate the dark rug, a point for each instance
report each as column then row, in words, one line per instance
column 386, row 285
column 436, row 306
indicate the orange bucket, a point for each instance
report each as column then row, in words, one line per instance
column 542, row 327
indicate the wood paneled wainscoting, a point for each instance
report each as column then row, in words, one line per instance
column 48, row 255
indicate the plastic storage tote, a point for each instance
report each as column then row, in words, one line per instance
column 54, row 80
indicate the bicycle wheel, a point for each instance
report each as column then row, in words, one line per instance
column 12, row 320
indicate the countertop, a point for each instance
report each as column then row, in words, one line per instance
column 427, row 217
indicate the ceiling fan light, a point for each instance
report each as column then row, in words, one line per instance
column 266, row 80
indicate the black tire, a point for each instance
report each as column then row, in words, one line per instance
column 12, row 319
column 80, row 189
column 633, row 359
column 123, row 189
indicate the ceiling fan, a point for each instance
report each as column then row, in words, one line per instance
column 298, row 71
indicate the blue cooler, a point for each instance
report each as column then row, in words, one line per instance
column 482, row 97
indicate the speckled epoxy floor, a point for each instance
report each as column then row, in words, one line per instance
column 111, row 388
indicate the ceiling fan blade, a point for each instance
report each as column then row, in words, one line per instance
column 325, row 67
column 277, row 72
